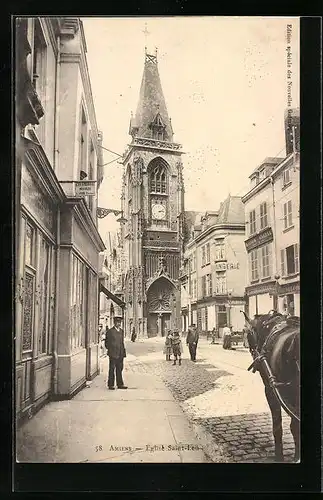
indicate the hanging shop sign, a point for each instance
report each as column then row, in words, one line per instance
column 225, row 266
column 85, row 188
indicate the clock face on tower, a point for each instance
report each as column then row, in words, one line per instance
column 158, row 211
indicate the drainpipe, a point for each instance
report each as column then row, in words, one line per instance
column 58, row 66
column 55, row 339
column 275, row 305
column 58, row 229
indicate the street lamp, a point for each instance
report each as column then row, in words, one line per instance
column 229, row 303
column 276, row 292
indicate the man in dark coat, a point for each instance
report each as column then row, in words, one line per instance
column 114, row 343
column 192, row 340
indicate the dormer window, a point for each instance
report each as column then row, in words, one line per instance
column 262, row 174
column 158, row 128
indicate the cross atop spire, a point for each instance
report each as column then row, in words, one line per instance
column 146, row 33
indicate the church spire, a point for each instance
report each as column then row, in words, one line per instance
column 151, row 119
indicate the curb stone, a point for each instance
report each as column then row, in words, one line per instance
column 213, row 451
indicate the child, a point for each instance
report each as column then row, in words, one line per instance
column 168, row 345
column 177, row 347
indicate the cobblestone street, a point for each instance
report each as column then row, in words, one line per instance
column 225, row 403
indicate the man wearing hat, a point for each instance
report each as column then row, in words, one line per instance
column 114, row 343
column 192, row 340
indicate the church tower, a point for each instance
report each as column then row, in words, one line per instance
column 153, row 207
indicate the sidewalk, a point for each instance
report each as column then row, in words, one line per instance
column 141, row 424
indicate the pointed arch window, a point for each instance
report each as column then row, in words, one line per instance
column 158, row 179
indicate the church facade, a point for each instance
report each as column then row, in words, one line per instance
column 153, row 206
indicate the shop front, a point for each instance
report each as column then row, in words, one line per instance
column 36, row 276
column 289, row 298
column 77, row 354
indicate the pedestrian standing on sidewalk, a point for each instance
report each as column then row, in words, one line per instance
column 191, row 341
column 227, row 337
column 102, row 335
column 168, row 346
column 133, row 335
column 213, row 335
column 177, row 347
column 114, row 343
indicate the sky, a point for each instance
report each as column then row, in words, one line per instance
column 225, row 85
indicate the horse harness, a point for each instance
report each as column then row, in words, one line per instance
column 260, row 358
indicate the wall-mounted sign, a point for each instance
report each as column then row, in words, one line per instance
column 265, row 236
column 225, row 266
column 85, row 188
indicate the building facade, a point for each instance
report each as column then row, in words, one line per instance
column 153, row 205
column 111, row 276
column 272, row 244
column 213, row 276
column 57, row 240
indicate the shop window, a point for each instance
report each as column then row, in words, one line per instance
column 289, row 304
column 44, row 296
column 222, row 316
column 78, row 316
column 92, row 310
column 204, row 319
column 28, row 288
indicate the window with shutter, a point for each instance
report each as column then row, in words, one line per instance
column 288, row 216
column 203, row 286
column 296, row 257
column 252, row 222
column 292, row 259
column 283, row 265
column 286, row 176
column 203, row 255
column 208, row 253
column 254, row 265
column 263, row 216
column 265, row 261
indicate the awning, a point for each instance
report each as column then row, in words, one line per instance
column 111, row 296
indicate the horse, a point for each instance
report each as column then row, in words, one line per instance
column 274, row 345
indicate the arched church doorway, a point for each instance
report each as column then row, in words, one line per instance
column 160, row 307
